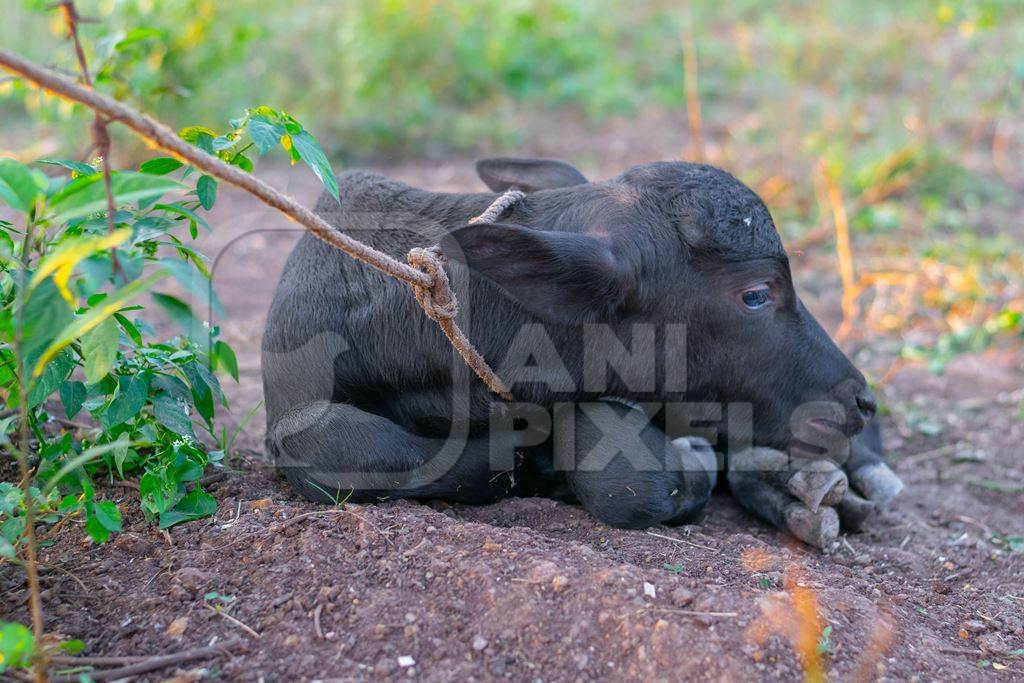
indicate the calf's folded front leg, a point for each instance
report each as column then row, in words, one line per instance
column 625, row 470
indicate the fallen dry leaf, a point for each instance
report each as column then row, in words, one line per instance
column 177, row 627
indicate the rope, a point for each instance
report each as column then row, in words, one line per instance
column 499, row 206
column 439, row 302
column 424, row 272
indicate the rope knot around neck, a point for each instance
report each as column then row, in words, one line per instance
column 436, row 299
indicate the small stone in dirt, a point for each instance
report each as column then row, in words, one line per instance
column 559, row 583
column 193, row 578
column 406, row 661
column 681, row 597
column 649, row 590
column 479, row 642
column 974, row 626
column 993, row 644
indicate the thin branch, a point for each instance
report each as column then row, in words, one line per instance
column 35, row 601
column 153, row 663
column 680, row 540
column 429, row 287
column 167, row 140
column 234, row 620
column 693, row 116
column 100, row 134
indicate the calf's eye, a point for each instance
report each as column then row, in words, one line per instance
column 756, row 298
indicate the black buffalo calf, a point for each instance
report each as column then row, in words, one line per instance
column 641, row 322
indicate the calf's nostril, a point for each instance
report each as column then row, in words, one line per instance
column 867, row 404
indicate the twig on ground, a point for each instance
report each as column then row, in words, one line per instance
column 234, row 520
column 69, row 660
column 316, row 621
column 151, row 663
column 681, row 540
column 689, row 612
column 213, row 478
column 237, row 622
column 959, row 651
column 281, row 526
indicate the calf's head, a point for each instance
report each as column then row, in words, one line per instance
column 667, row 244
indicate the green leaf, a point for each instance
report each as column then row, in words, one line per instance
column 132, row 392
column 160, row 166
column 202, row 380
column 224, row 356
column 50, row 379
column 16, row 646
column 206, row 190
column 97, row 315
column 72, row 396
column 86, row 195
column 129, row 328
column 172, row 385
column 46, row 314
column 72, row 647
column 194, row 505
column 137, row 35
column 195, row 282
column 181, row 313
column 243, row 162
column 19, row 188
column 83, row 458
column 13, row 528
column 309, row 149
column 170, row 412
column 157, row 492
column 193, row 133
column 77, row 168
column 265, row 134
column 108, row 515
column 94, row 527
column 99, row 348
column 180, row 210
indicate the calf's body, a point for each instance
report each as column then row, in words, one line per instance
column 666, row 266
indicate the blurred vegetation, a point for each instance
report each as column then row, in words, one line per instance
column 914, row 108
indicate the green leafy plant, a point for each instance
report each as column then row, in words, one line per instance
column 93, row 386
column 825, row 641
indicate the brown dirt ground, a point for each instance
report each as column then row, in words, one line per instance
column 532, row 589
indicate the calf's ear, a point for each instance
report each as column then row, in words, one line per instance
column 528, row 175
column 562, row 277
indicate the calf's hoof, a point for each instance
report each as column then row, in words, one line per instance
column 877, row 482
column 819, row 528
column 854, row 510
column 817, row 483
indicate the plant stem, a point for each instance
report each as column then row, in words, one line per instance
column 21, row 454
column 100, row 134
